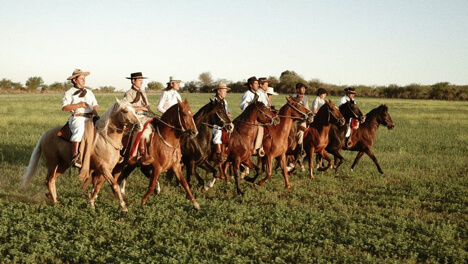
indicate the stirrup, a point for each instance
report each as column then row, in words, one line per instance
column 261, row 152
column 76, row 161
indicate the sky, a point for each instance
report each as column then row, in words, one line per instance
column 368, row 42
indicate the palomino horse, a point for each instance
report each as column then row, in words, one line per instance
column 316, row 136
column 364, row 138
column 101, row 156
column 337, row 133
column 165, row 147
column 275, row 141
column 241, row 143
column 197, row 151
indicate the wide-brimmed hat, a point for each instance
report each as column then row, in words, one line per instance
column 250, row 80
column 136, row 75
column 221, row 86
column 262, row 80
column 350, row 90
column 76, row 73
column 299, row 85
column 173, row 79
column 271, row 90
column 322, row 91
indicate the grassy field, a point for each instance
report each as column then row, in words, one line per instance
column 416, row 212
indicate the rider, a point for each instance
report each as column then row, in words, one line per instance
column 82, row 105
column 354, row 124
column 137, row 97
column 319, row 100
column 270, row 93
column 262, row 91
column 249, row 96
column 170, row 95
column 221, row 92
column 301, row 126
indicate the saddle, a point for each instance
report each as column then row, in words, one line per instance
column 225, row 137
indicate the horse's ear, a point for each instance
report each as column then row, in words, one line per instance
column 186, row 101
column 117, row 100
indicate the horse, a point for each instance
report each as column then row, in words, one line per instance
column 337, row 133
column 197, row 151
column 100, row 158
column 165, row 148
column 364, row 138
column 316, row 136
column 241, row 143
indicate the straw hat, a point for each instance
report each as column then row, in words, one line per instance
column 136, row 75
column 271, row 90
column 76, row 73
column 222, row 86
column 173, row 79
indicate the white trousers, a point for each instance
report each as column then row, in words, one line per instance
column 77, row 127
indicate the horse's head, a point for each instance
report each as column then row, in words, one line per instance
column 265, row 115
column 351, row 110
column 185, row 116
column 219, row 116
column 300, row 111
column 334, row 114
column 384, row 117
column 124, row 115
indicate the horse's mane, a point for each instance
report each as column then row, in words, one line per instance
column 372, row 113
column 245, row 114
column 202, row 112
column 103, row 122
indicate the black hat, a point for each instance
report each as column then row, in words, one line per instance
column 350, row 90
column 136, row 75
column 251, row 80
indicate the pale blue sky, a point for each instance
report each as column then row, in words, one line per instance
column 339, row 42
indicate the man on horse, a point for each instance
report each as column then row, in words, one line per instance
column 221, row 93
column 170, row 95
column 262, row 91
column 319, row 100
column 301, row 126
column 249, row 96
column 137, row 97
column 350, row 92
column 270, row 93
column 82, row 105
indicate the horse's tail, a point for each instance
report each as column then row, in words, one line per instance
column 33, row 163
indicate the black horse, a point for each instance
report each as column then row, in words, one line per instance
column 197, row 151
column 337, row 134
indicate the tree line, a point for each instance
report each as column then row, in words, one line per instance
column 285, row 84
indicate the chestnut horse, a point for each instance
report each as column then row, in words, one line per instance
column 165, row 148
column 197, row 151
column 241, row 143
column 364, row 138
column 316, row 136
column 337, row 133
column 275, row 141
column 101, row 157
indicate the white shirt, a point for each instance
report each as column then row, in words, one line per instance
column 263, row 96
column 344, row 100
column 247, row 97
column 69, row 98
column 168, row 99
column 317, row 103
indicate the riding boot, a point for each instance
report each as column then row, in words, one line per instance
column 349, row 143
column 76, row 156
column 145, row 159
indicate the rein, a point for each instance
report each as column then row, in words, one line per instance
column 182, row 129
column 350, row 109
column 299, row 111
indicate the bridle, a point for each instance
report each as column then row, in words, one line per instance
column 348, row 105
column 305, row 116
column 273, row 120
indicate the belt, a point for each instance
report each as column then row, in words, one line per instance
column 88, row 115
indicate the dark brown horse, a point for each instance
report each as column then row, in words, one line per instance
column 316, row 136
column 241, row 143
column 165, row 147
column 197, row 151
column 337, row 139
column 275, row 141
column 364, row 138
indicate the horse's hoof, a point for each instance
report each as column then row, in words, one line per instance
column 205, row 189
column 124, row 209
column 196, row 206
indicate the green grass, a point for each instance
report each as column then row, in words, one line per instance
column 416, row 212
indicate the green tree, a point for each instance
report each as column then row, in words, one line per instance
column 155, row 86
column 288, row 81
column 33, row 83
column 206, row 82
column 190, row 87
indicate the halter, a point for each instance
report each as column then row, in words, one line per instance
column 116, row 145
column 350, row 109
column 273, row 120
column 305, row 115
column 330, row 113
column 182, row 129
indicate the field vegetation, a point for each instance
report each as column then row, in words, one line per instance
column 416, row 212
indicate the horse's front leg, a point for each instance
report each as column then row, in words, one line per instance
column 370, row 153
column 269, row 168
column 358, row 157
column 325, row 155
column 98, row 181
column 251, row 165
column 115, row 188
column 178, row 172
column 208, row 167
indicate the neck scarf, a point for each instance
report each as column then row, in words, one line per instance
column 138, row 96
column 81, row 91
